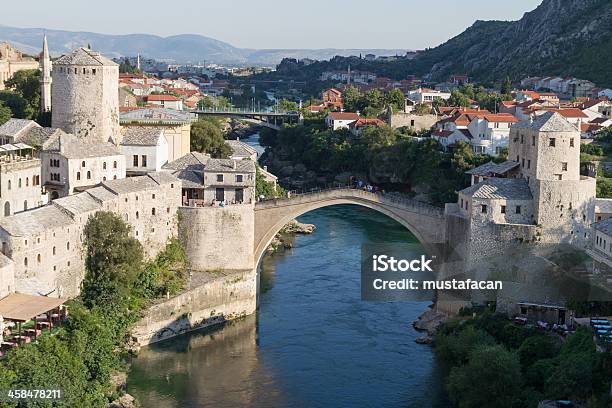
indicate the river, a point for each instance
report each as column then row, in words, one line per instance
column 313, row 342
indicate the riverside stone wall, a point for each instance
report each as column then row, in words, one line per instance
column 214, row 298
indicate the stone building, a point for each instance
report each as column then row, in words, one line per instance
column 11, row 61
column 70, row 164
column 241, row 150
column 536, row 196
column 20, row 183
column 44, row 245
column 145, row 149
column 85, row 95
column 207, row 181
column 176, row 125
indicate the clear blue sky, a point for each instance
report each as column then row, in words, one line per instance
column 272, row 23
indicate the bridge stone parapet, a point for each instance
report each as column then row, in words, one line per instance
column 425, row 221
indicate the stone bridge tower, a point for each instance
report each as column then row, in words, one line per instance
column 85, row 95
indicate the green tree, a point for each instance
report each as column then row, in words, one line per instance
column 536, row 348
column 458, row 99
column 285, row 105
column 265, row 188
column 396, row 99
column 351, row 98
column 206, row 137
column 27, row 84
column 5, row 113
column 18, row 105
column 492, row 374
column 113, row 260
column 506, row 88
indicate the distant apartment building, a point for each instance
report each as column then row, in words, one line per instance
column 426, row 95
column 340, row 120
column 166, row 101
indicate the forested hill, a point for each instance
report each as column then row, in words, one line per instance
column 559, row 37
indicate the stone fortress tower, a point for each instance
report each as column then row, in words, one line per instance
column 85, row 96
column 45, row 78
column 547, row 150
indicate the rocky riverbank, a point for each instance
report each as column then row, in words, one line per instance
column 285, row 237
column 429, row 322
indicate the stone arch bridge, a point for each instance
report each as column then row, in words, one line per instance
column 426, row 222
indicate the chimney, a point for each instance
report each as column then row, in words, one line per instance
column 234, row 164
column 265, row 168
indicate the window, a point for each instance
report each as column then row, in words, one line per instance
column 523, row 163
column 93, row 71
column 503, row 209
column 239, row 178
column 517, row 158
column 104, row 166
column 564, row 166
column 19, row 184
column 522, row 139
column 53, row 250
column 528, row 164
column 137, row 215
column 78, row 175
column 143, row 159
column 9, row 184
column 483, row 209
column 25, row 205
column 518, row 209
column 533, row 140
column 67, row 246
column 220, row 194
column 115, row 164
column 25, row 262
column 88, row 175
column 135, row 160
column 572, row 142
column 168, row 210
column 559, row 176
column 153, row 196
column 38, row 258
column 7, row 209
column 219, row 177
column 83, row 163
column 152, row 211
column 551, row 142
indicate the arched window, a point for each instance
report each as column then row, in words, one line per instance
column 137, row 214
column 104, row 165
column 19, row 185
column 25, row 262
column 38, row 258
column 53, row 250
column 153, row 211
column 78, row 175
column 9, row 184
column 115, row 164
column 115, row 177
column 83, row 163
column 68, row 246
column 7, row 209
column 89, row 175
column 25, row 205
column 104, row 178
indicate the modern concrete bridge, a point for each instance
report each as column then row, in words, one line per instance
column 426, row 222
column 273, row 120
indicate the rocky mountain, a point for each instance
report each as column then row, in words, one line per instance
column 562, row 37
column 559, row 37
column 178, row 48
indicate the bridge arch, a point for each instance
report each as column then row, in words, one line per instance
column 425, row 222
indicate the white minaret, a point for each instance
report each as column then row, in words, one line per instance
column 45, row 78
column 138, row 61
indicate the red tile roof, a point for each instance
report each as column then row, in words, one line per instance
column 568, row 113
column 343, row 116
column 162, row 98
